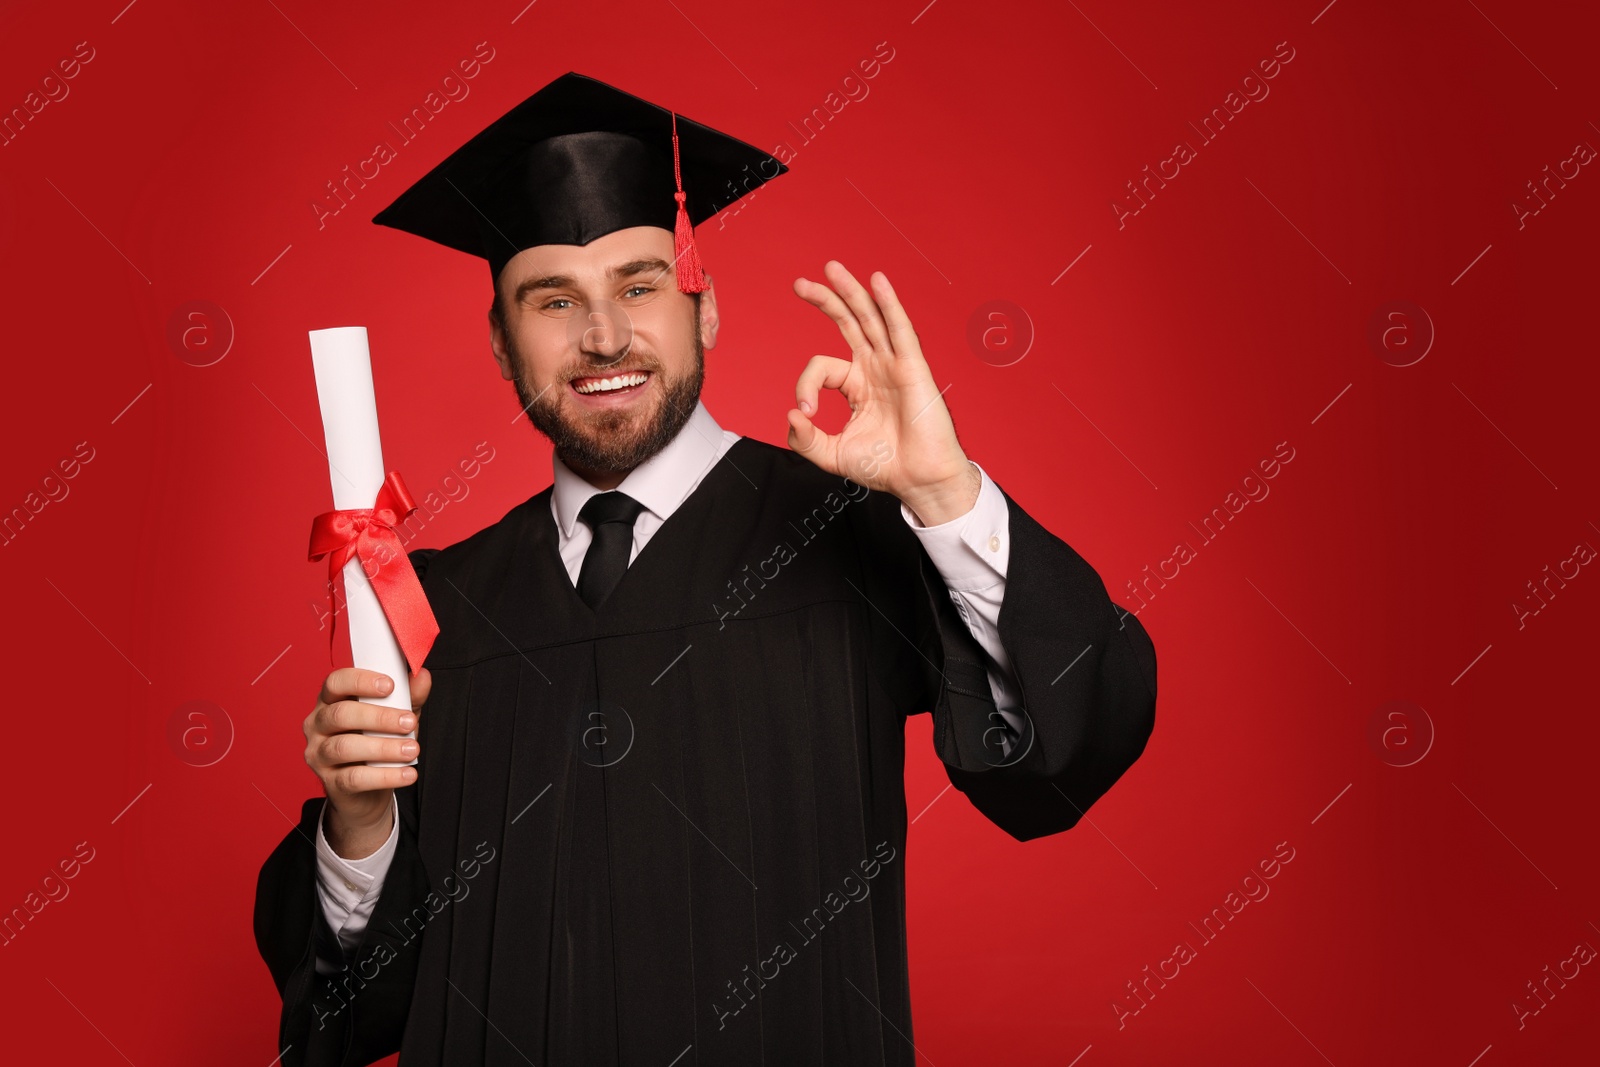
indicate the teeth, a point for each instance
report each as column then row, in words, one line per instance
column 606, row 385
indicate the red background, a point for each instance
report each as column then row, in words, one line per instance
column 1177, row 352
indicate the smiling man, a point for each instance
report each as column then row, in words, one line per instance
column 619, row 404
column 657, row 814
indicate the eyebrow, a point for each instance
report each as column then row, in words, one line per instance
column 614, row 273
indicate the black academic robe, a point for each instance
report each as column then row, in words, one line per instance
column 673, row 830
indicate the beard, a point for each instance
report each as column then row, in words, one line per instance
column 607, row 441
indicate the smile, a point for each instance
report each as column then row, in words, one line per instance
column 616, row 383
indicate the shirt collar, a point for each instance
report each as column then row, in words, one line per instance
column 660, row 483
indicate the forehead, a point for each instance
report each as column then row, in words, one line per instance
column 590, row 261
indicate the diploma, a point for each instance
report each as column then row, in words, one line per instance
column 343, row 367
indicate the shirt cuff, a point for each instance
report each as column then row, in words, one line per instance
column 970, row 551
column 362, row 877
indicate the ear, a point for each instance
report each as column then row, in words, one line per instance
column 497, row 345
column 709, row 320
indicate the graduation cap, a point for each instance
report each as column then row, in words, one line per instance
column 575, row 161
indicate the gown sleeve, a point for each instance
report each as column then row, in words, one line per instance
column 970, row 554
column 1085, row 670
column 357, row 1015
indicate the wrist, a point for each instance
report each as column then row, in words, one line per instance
column 951, row 498
column 354, row 837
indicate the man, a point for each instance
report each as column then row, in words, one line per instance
column 657, row 813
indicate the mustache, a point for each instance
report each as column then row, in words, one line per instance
column 593, row 370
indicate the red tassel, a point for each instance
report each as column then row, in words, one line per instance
column 691, row 276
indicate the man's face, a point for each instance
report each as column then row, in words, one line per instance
column 607, row 354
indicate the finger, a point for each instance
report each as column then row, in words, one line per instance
column 421, row 686
column 354, row 716
column 347, row 682
column 821, row 372
column 342, row 749
column 362, row 779
column 901, row 336
column 814, row 444
column 861, row 303
column 828, row 301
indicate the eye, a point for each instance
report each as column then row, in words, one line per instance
column 550, row 305
column 640, row 288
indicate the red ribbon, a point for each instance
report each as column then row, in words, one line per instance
column 369, row 535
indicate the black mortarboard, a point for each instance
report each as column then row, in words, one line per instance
column 575, row 161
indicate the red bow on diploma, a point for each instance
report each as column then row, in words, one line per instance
column 368, row 534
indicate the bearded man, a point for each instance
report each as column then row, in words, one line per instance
column 657, row 813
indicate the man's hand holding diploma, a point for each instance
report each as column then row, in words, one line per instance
column 360, row 797
column 388, row 624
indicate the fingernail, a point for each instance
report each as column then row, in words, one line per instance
column 805, row 406
column 408, row 774
column 408, row 749
column 384, row 685
column 407, row 722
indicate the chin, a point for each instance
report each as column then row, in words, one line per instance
column 608, row 442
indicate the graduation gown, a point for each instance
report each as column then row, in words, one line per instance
column 672, row 830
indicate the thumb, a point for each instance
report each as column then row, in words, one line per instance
column 814, row 444
column 421, row 686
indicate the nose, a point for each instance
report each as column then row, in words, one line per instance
column 605, row 332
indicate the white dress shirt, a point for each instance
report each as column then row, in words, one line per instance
column 971, row 553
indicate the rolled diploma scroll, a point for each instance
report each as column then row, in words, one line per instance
column 343, row 366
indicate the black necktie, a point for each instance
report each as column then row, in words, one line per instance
column 610, row 516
